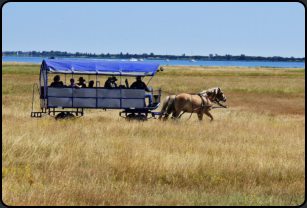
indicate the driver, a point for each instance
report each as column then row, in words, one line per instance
column 141, row 85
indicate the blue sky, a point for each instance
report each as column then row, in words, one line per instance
column 196, row 28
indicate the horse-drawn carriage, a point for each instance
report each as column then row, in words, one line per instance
column 67, row 101
column 132, row 101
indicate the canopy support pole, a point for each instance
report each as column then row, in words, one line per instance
column 149, row 80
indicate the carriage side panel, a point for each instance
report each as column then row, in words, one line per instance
column 112, row 93
column 133, row 98
column 95, row 98
column 108, row 103
column 133, row 93
column 84, row 103
column 59, row 92
column 84, row 92
column 60, row 102
column 133, row 103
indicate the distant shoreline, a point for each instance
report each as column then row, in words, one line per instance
column 152, row 56
column 186, row 63
column 156, row 59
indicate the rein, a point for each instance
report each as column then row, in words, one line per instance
column 218, row 103
column 172, row 93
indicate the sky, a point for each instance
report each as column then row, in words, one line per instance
column 174, row 28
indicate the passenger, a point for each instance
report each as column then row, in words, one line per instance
column 57, row 82
column 107, row 83
column 81, row 82
column 91, row 84
column 113, row 84
column 141, row 85
column 110, row 83
column 73, row 85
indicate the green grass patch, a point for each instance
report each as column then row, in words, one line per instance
column 7, row 90
column 269, row 67
column 298, row 71
column 21, row 69
column 281, row 90
column 243, row 74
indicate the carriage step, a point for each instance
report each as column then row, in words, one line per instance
column 36, row 114
column 158, row 113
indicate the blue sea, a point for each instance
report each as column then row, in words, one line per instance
column 170, row 63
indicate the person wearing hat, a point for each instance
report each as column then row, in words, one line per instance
column 81, row 82
column 141, row 85
column 110, row 83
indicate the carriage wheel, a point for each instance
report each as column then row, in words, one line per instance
column 130, row 117
column 65, row 116
column 141, row 118
column 133, row 116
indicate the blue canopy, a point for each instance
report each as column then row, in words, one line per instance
column 100, row 67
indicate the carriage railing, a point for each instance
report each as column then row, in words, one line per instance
column 37, row 114
column 156, row 96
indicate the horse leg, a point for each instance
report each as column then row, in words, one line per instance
column 167, row 114
column 208, row 114
column 200, row 116
column 165, row 103
column 169, row 110
column 175, row 114
column 177, row 110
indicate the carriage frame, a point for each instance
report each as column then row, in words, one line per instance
column 75, row 100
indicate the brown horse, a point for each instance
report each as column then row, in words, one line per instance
column 200, row 103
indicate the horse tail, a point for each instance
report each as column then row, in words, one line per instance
column 165, row 102
column 164, row 105
column 170, row 106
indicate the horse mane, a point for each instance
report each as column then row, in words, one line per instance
column 215, row 89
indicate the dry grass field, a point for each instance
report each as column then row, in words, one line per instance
column 252, row 153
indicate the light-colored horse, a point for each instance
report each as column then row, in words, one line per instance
column 200, row 103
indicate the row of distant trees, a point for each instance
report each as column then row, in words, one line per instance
column 216, row 57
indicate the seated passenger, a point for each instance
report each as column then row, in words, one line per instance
column 73, row 85
column 57, row 82
column 81, row 82
column 91, row 84
column 110, row 83
column 141, row 85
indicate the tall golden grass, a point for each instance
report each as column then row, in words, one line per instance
column 252, row 153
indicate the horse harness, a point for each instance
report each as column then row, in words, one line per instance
column 202, row 106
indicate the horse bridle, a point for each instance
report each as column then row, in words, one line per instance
column 217, row 101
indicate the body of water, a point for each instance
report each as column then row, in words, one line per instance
column 170, row 63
